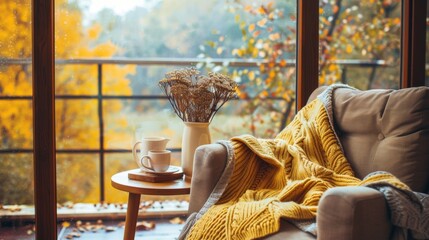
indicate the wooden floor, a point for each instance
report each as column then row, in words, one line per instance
column 163, row 230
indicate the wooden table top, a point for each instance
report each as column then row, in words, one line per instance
column 122, row 182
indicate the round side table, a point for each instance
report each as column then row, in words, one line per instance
column 135, row 188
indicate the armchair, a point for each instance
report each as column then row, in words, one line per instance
column 384, row 130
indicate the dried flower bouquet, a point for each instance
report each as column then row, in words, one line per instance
column 197, row 98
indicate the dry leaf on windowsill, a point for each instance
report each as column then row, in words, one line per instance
column 145, row 225
column 177, row 220
column 73, row 235
column 110, row 229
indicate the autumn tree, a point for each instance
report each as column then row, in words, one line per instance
column 268, row 35
column 15, row 115
column 76, row 120
column 362, row 30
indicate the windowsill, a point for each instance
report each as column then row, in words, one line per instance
column 165, row 209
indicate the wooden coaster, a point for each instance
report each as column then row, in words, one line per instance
column 137, row 174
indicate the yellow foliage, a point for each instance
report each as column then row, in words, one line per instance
column 237, row 52
column 396, row 21
column 274, row 36
column 237, row 18
column 349, row 48
column 251, row 27
column 94, row 31
column 332, row 67
column 261, row 10
column 76, row 120
column 255, row 52
column 322, row 78
column 286, row 96
column 251, row 75
column 262, row 68
column 219, row 50
column 262, row 22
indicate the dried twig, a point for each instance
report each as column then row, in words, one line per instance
column 197, row 98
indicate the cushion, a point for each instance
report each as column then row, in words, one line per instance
column 385, row 130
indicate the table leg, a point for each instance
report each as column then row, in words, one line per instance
column 131, row 218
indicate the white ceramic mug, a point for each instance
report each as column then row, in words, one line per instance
column 147, row 144
column 157, row 161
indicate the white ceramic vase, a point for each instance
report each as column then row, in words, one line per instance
column 194, row 135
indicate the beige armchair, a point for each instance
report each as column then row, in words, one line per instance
column 384, row 130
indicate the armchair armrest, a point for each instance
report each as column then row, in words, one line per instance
column 353, row 213
column 209, row 163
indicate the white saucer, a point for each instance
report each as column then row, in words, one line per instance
column 170, row 170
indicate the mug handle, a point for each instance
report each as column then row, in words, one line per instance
column 142, row 162
column 135, row 150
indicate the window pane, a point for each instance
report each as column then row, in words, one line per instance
column 16, row 128
column 125, row 49
column 16, row 125
column 78, row 178
column 119, row 79
column 364, row 35
column 117, row 163
column 16, row 176
column 269, row 118
column 76, row 79
column 129, row 120
column 76, row 124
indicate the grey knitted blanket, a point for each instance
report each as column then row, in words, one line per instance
column 408, row 210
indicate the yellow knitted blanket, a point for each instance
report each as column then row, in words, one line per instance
column 280, row 178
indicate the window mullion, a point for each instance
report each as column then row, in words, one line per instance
column 44, row 119
column 413, row 39
column 307, row 56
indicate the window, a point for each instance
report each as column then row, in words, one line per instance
column 108, row 67
column 16, row 158
column 360, row 43
column 15, row 101
column 93, row 90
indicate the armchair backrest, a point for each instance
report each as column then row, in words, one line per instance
column 385, row 130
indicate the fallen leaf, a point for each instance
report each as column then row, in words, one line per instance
column 177, row 220
column 110, row 229
column 145, row 225
column 75, row 234
column 65, row 224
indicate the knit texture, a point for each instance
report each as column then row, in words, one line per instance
column 281, row 178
